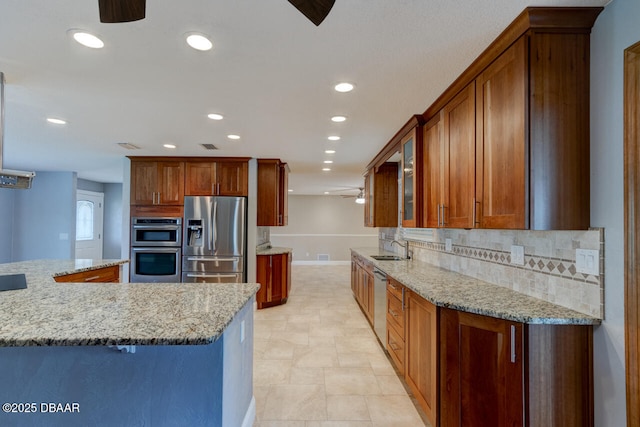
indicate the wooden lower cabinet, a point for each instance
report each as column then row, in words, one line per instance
column 105, row 275
column 362, row 286
column 421, row 361
column 496, row 372
column 396, row 323
column 273, row 272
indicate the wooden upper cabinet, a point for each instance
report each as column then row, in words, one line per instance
column 501, row 109
column 381, row 196
column 272, row 192
column 434, row 162
column 217, row 178
column 411, row 164
column 157, row 182
column 449, row 164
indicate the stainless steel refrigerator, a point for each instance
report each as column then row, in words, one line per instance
column 215, row 239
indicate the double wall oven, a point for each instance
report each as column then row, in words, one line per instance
column 156, row 249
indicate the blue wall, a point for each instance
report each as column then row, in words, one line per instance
column 6, row 223
column 45, row 218
column 616, row 29
column 112, row 242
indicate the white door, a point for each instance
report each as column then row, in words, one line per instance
column 89, row 212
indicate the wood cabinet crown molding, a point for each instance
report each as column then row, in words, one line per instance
column 188, row 158
column 394, row 145
column 532, row 19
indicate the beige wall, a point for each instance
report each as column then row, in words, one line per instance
column 324, row 225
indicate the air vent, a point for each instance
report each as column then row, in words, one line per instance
column 323, row 257
column 128, row 146
column 209, row 146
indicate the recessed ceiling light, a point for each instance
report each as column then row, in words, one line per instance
column 56, row 121
column 87, row 39
column 326, row 192
column 214, row 116
column 338, row 119
column 343, row 87
column 290, row 190
column 233, row 136
column 330, row 151
column 334, row 138
column 199, row 41
column 328, row 161
column 326, row 169
column 169, row 146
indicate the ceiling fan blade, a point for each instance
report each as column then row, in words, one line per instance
column 315, row 10
column 116, row 11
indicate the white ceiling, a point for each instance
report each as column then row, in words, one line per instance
column 271, row 74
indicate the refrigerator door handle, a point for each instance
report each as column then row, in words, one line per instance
column 214, row 225
column 209, row 275
column 200, row 259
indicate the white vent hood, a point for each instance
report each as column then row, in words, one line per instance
column 10, row 178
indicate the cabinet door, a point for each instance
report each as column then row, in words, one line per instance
column 283, row 194
column 501, row 111
column 434, row 180
column 421, row 364
column 268, row 192
column 144, row 182
column 411, row 184
column 459, row 160
column 171, row 183
column 263, row 276
column 278, row 278
column 481, row 376
column 368, row 199
column 232, row 178
column 200, row 178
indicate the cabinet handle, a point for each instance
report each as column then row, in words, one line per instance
column 513, row 344
column 218, row 189
column 158, row 201
column 475, row 212
column 88, row 279
column 393, row 313
column 438, row 215
column 444, row 222
column 403, row 298
column 393, row 345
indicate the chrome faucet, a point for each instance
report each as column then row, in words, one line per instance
column 405, row 246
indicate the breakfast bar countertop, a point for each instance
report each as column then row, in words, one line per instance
column 453, row 290
column 48, row 313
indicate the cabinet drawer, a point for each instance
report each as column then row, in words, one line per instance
column 394, row 287
column 395, row 347
column 107, row 274
column 395, row 315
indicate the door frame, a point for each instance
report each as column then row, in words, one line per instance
column 632, row 230
column 100, row 197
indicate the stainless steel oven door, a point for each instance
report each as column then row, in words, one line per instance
column 155, row 264
column 156, row 232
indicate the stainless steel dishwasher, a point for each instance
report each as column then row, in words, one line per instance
column 380, row 305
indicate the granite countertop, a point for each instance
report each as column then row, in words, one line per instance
column 48, row 313
column 272, row 250
column 454, row 290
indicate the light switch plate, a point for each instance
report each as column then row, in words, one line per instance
column 448, row 245
column 517, row 255
column 588, row 261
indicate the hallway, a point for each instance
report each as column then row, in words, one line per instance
column 317, row 363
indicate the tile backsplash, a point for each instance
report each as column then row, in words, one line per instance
column 549, row 271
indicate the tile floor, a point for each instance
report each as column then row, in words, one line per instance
column 317, row 363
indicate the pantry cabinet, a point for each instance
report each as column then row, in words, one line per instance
column 273, row 272
column 219, row 177
column 272, row 192
column 381, row 196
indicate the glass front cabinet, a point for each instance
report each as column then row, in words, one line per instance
column 411, row 145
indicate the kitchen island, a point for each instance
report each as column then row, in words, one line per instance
column 124, row 353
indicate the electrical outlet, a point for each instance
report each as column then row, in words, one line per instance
column 448, row 245
column 517, row 255
column 588, row 261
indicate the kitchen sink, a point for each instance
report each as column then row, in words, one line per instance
column 387, row 257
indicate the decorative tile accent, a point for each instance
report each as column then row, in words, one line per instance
column 549, row 271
